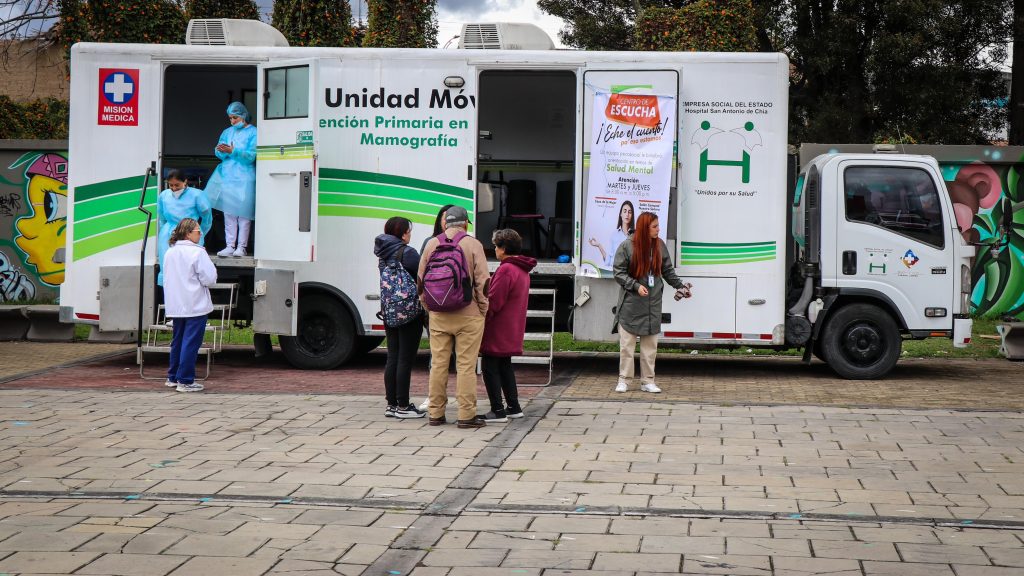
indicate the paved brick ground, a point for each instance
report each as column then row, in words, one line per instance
column 28, row 357
column 742, row 466
column 914, row 383
column 236, row 371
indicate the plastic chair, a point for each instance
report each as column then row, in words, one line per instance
column 520, row 209
column 562, row 217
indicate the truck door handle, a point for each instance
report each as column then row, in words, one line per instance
column 849, row 262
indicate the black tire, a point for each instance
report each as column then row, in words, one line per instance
column 326, row 335
column 861, row 342
column 367, row 344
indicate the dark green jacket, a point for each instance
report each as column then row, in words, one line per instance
column 641, row 315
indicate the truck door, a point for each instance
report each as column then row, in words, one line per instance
column 894, row 237
column 94, row 221
column 286, row 159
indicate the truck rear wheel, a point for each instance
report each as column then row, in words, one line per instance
column 325, row 337
column 861, row 342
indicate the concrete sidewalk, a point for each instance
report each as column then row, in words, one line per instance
column 110, row 482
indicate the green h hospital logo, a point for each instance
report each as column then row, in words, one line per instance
column 703, row 136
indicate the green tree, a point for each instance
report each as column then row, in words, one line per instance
column 244, row 9
column 601, row 24
column 401, row 24
column 869, row 70
column 140, row 21
column 314, row 22
column 1016, row 105
column 706, row 25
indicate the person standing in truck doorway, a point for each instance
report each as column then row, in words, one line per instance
column 176, row 202
column 232, row 187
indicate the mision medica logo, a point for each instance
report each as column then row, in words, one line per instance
column 724, row 148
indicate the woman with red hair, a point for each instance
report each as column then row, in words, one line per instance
column 642, row 265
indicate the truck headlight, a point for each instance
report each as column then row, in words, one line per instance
column 965, row 279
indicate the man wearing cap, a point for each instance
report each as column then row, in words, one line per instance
column 461, row 328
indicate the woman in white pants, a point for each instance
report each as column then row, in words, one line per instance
column 232, row 187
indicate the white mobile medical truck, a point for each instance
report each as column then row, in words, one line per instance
column 350, row 137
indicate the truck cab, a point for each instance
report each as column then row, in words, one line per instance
column 878, row 259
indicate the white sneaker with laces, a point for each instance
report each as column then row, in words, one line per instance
column 226, row 252
column 239, row 252
column 621, row 387
column 650, row 387
column 193, row 387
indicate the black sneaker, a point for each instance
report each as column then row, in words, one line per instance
column 410, row 411
column 389, row 412
column 476, row 422
column 516, row 414
column 494, row 417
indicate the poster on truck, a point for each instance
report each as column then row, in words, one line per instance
column 630, row 172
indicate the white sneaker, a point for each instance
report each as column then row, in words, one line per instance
column 170, row 384
column 425, row 405
column 226, row 252
column 239, row 252
column 650, row 387
column 621, row 387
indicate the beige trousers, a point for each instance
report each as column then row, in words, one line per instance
column 648, row 352
column 464, row 334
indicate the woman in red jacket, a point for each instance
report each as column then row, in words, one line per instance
column 508, row 292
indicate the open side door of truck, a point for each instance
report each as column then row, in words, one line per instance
column 286, row 161
column 286, row 184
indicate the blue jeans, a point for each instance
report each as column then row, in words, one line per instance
column 188, row 337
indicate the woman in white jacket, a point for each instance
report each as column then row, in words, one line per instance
column 188, row 273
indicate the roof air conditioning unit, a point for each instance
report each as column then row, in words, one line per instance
column 504, row 36
column 232, row 32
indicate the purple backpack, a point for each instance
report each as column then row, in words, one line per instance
column 447, row 285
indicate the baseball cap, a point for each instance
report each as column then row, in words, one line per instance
column 456, row 214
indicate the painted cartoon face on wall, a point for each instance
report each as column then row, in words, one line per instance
column 42, row 231
column 976, row 186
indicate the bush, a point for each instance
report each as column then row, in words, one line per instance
column 704, row 26
column 243, row 9
column 401, row 24
column 43, row 119
column 314, row 22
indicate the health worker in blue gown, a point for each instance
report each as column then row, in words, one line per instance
column 232, row 187
column 177, row 202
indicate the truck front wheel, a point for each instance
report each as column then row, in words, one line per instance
column 861, row 342
column 325, row 336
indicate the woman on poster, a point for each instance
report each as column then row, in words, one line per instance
column 623, row 228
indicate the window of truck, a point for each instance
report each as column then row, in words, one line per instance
column 902, row 200
column 287, row 93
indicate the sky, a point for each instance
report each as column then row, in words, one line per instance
column 452, row 14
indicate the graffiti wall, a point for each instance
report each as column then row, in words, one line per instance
column 978, row 179
column 33, row 216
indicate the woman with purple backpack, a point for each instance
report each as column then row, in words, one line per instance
column 403, row 318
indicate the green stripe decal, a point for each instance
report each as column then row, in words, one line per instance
column 113, row 203
column 113, row 239
column 377, row 213
column 284, row 152
column 708, row 253
column 89, row 191
column 403, row 181
column 114, row 221
column 345, row 192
